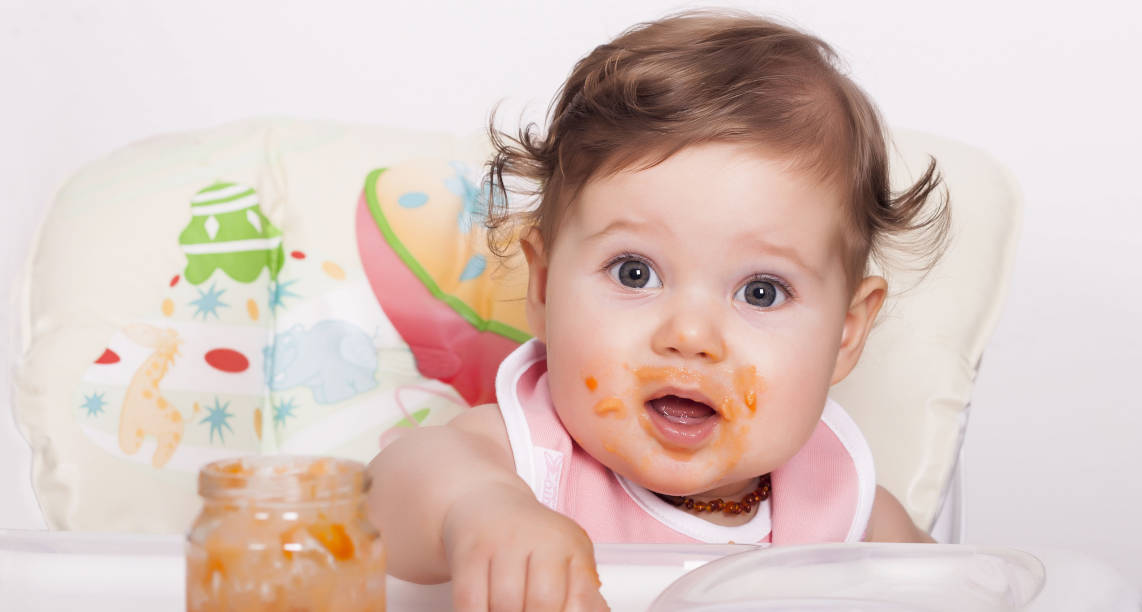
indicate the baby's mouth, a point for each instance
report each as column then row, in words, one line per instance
column 680, row 410
column 682, row 422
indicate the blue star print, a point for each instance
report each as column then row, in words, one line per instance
column 474, row 202
column 93, row 404
column 284, row 410
column 279, row 292
column 217, row 417
column 209, row 302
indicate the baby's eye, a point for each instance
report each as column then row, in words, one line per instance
column 762, row 293
column 635, row 273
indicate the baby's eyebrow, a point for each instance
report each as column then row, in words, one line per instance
column 753, row 242
column 789, row 253
column 619, row 225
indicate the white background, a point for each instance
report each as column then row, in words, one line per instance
column 1054, row 447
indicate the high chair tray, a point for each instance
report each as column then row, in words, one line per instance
column 95, row 572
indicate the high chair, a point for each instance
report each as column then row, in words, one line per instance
column 132, row 244
column 258, row 245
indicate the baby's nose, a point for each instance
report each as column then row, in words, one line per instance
column 691, row 334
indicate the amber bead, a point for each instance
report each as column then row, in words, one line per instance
column 747, row 504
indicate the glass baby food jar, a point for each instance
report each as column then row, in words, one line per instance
column 283, row 533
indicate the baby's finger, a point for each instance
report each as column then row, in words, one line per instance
column 470, row 584
column 583, row 588
column 508, row 578
column 546, row 582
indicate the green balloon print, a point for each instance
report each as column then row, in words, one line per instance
column 228, row 230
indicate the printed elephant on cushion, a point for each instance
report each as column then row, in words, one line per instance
column 334, row 359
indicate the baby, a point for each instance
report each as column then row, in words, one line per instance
column 711, row 190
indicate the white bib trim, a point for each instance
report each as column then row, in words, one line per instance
column 511, row 371
column 854, row 442
column 692, row 526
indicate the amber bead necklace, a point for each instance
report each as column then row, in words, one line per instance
column 746, row 505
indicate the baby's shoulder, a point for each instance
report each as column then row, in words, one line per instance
column 485, row 421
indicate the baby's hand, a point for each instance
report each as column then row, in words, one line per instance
column 508, row 552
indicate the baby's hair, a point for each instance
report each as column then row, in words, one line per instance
column 714, row 76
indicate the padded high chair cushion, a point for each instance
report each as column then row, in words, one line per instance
column 284, row 286
column 198, row 296
column 911, row 390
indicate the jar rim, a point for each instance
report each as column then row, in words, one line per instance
column 282, row 478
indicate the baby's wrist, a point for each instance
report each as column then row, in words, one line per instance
column 474, row 504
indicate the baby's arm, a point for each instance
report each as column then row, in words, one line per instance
column 890, row 522
column 449, row 505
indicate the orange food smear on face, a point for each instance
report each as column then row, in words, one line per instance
column 727, row 408
column 678, row 375
column 732, row 392
column 609, row 405
column 619, row 452
column 748, row 384
column 592, row 384
column 725, row 402
column 732, row 445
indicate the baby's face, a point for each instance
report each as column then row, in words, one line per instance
column 693, row 316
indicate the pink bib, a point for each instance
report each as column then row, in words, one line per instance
column 823, row 494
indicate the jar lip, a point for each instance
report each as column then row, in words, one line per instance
column 282, row 478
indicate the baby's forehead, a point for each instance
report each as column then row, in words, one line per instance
column 722, row 194
column 757, row 187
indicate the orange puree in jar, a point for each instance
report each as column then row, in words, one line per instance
column 280, row 533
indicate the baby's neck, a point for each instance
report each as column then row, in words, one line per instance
column 723, row 519
column 729, row 493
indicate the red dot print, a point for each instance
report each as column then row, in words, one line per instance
column 174, row 281
column 297, row 255
column 227, row 360
column 108, row 357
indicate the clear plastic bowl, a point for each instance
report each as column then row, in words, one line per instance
column 860, row 577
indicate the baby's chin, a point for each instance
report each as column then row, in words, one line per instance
column 663, row 474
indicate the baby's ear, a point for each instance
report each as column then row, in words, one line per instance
column 532, row 245
column 865, row 304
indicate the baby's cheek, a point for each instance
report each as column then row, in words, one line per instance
column 612, row 407
column 785, row 419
